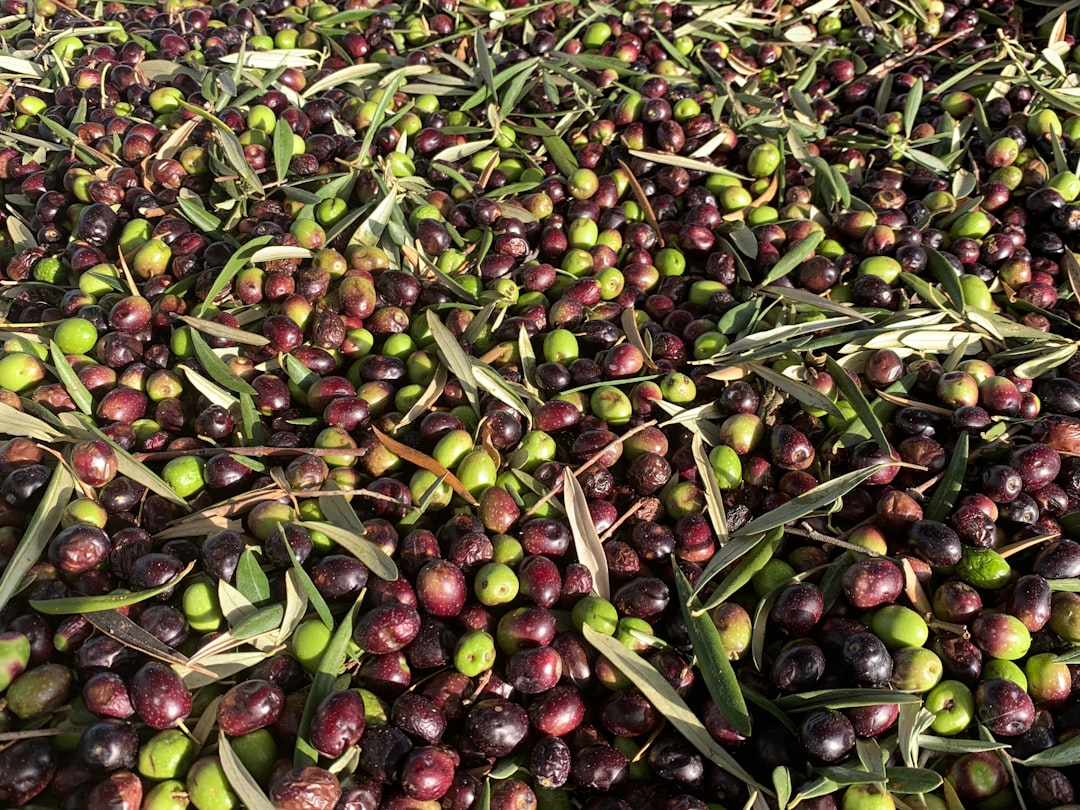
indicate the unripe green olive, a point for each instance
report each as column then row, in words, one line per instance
column 476, row 471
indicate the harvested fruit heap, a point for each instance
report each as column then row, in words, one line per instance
column 458, row 405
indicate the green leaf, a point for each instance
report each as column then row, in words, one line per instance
column 911, row 107
column 231, row 147
column 946, row 276
column 283, row 149
column 235, row 264
column 315, row 599
column 668, row 703
column 1064, row 755
column 858, row 402
column 951, row 745
column 14, row 422
column 110, row 601
column 713, row 497
column 713, row 660
column 242, row 782
column 793, row 257
column 948, row 488
column 261, row 621
column 763, row 547
column 367, row 552
column 217, row 368
column 191, row 207
column 781, row 778
column 70, row 380
column 844, row 699
column 38, row 533
column 220, row 330
column 455, row 359
column 254, row 433
column 912, row 780
column 822, row 496
column 590, row 551
column 251, row 580
column 330, row 667
column 797, row 389
column 115, row 624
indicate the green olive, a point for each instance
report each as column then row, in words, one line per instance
column 167, row 755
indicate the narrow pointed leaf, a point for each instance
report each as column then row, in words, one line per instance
column 794, row 257
column 455, row 358
column 330, row 667
column 668, row 702
column 590, row 551
column 713, row 660
column 283, row 148
column 120, row 627
column 763, row 550
column 425, row 462
column 251, row 580
column 713, row 496
column 858, row 402
column 820, row 497
column 242, row 782
column 796, row 388
column 70, row 380
column 844, row 699
column 110, row 601
column 235, row 264
column 217, row 368
column 38, row 533
column 14, row 422
column 948, row 488
column 364, row 550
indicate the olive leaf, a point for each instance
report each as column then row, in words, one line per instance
column 296, row 603
column 314, row 598
column 1064, row 755
column 38, row 532
column 799, row 390
column 668, row 703
column 233, row 266
column 217, row 368
column 952, row 745
column 70, row 380
column 948, row 488
column 330, row 667
column 795, row 256
column 242, row 782
column 259, row 623
column 455, row 359
column 377, row 560
column 191, row 207
column 337, row 510
column 220, row 330
column 763, row 547
column 120, row 627
column 945, row 274
column 822, row 496
column 110, row 601
column 425, row 462
column 14, row 422
column 283, row 148
column 251, row 580
column 210, row 389
column 854, row 395
column 781, row 778
column 633, row 336
column 713, row 660
column 844, row 699
column 503, row 390
column 590, row 551
column 713, row 497
column 427, row 399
